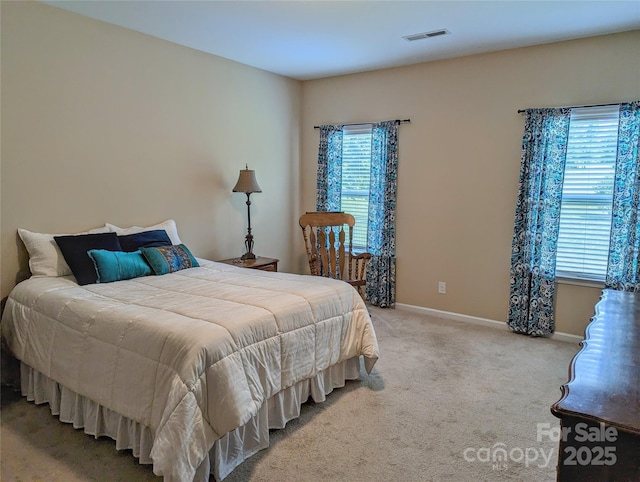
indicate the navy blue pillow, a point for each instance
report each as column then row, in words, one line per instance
column 75, row 248
column 145, row 239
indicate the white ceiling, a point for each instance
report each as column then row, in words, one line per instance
column 308, row 39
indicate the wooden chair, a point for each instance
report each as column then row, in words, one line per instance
column 329, row 251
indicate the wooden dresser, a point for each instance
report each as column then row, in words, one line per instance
column 600, row 405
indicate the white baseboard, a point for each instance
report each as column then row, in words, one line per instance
column 568, row 337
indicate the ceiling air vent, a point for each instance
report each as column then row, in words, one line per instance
column 420, row 36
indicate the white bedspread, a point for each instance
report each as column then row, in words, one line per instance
column 193, row 354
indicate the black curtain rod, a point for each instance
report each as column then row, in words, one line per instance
column 399, row 121
column 520, row 111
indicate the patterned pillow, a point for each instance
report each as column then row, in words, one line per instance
column 168, row 259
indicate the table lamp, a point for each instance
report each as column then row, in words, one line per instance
column 248, row 184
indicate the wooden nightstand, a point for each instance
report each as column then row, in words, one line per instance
column 265, row 264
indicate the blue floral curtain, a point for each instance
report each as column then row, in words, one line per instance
column 329, row 179
column 535, row 234
column 623, row 269
column 381, row 269
column 381, row 231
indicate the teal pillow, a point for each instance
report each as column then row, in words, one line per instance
column 168, row 259
column 118, row 265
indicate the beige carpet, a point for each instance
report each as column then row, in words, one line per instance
column 442, row 401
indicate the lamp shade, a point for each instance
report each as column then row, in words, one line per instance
column 247, row 182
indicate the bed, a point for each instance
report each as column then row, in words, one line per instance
column 190, row 369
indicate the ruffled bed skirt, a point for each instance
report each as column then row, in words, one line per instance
column 225, row 455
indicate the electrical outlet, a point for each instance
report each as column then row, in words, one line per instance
column 442, row 287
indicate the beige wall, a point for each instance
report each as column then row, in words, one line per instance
column 459, row 159
column 103, row 124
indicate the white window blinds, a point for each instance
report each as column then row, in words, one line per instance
column 356, row 176
column 587, row 194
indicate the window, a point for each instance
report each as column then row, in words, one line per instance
column 356, row 178
column 587, row 193
column 357, row 173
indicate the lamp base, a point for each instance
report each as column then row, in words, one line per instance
column 248, row 256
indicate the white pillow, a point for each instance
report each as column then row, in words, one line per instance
column 45, row 257
column 169, row 226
